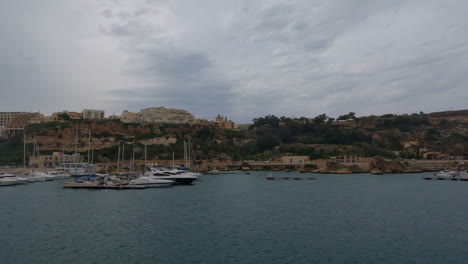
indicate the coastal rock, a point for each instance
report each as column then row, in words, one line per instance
column 376, row 171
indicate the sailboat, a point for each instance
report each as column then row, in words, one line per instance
column 34, row 176
column 78, row 168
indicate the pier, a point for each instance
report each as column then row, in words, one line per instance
column 99, row 186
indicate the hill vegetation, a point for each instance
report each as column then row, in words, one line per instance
column 407, row 136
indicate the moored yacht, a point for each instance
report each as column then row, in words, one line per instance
column 151, row 182
column 446, row 174
column 11, row 179
column 181, row 178
column 57, row 174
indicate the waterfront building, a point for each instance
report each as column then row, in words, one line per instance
column 12, row 122
column 294, row 160
column 54, row 160
column 346, row 159
column 93, row 114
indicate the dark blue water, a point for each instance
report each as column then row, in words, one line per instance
column 240, row 219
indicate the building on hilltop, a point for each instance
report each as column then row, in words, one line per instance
column 93, row 114
column 65, row 115
column 129, row 117
column 166, row 115
column 12, row 122
column 158, row 115
column 223, row 122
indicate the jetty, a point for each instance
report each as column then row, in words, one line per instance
column 102, row 186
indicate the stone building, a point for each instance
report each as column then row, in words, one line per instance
column 54, row 160
column 158, row 115
column 60, row 116
column 346, row 159
column 12, row 122
column 93, row 114
column 295, row 159
column 223, row 122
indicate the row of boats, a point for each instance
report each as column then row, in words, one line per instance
column 155, row 176
column 450, row 174
column 8, row 179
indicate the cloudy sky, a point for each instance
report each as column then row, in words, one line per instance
column 240, row 58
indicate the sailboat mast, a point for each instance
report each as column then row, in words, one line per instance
column 189, row 158
column 185, row 154
column 24, row 149
column 173, row 165
column 118, row 159
column 133, row 159
column 76, row 149
column 89, row 146
column 146, row 153
column 34, row 150
column 63, row 151
column 123, row 156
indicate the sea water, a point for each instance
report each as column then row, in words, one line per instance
column 240, row 218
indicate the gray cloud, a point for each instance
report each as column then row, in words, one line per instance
column 240, row 58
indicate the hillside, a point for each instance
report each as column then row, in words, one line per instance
column 435, row 135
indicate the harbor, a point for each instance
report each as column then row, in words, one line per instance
column 222, row 215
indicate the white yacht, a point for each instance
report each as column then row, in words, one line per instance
column 11, row 179
column 446, row 174
column 59, row 174
column 179, row 178
column 151, row 182
column 7, row 181
column 37, row 176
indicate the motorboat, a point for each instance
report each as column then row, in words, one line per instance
column 446, row 174
column 37, row 176
column 151, row 182
column 177, row 178
column 58, row 174
column 11, row 179
column 8, row 181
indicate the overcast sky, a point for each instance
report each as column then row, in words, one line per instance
column 240, row 58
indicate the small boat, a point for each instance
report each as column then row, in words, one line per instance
column 57, row 174
column 151, row 182
column 7, row 179
column 446, row 174
column 37, row 176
